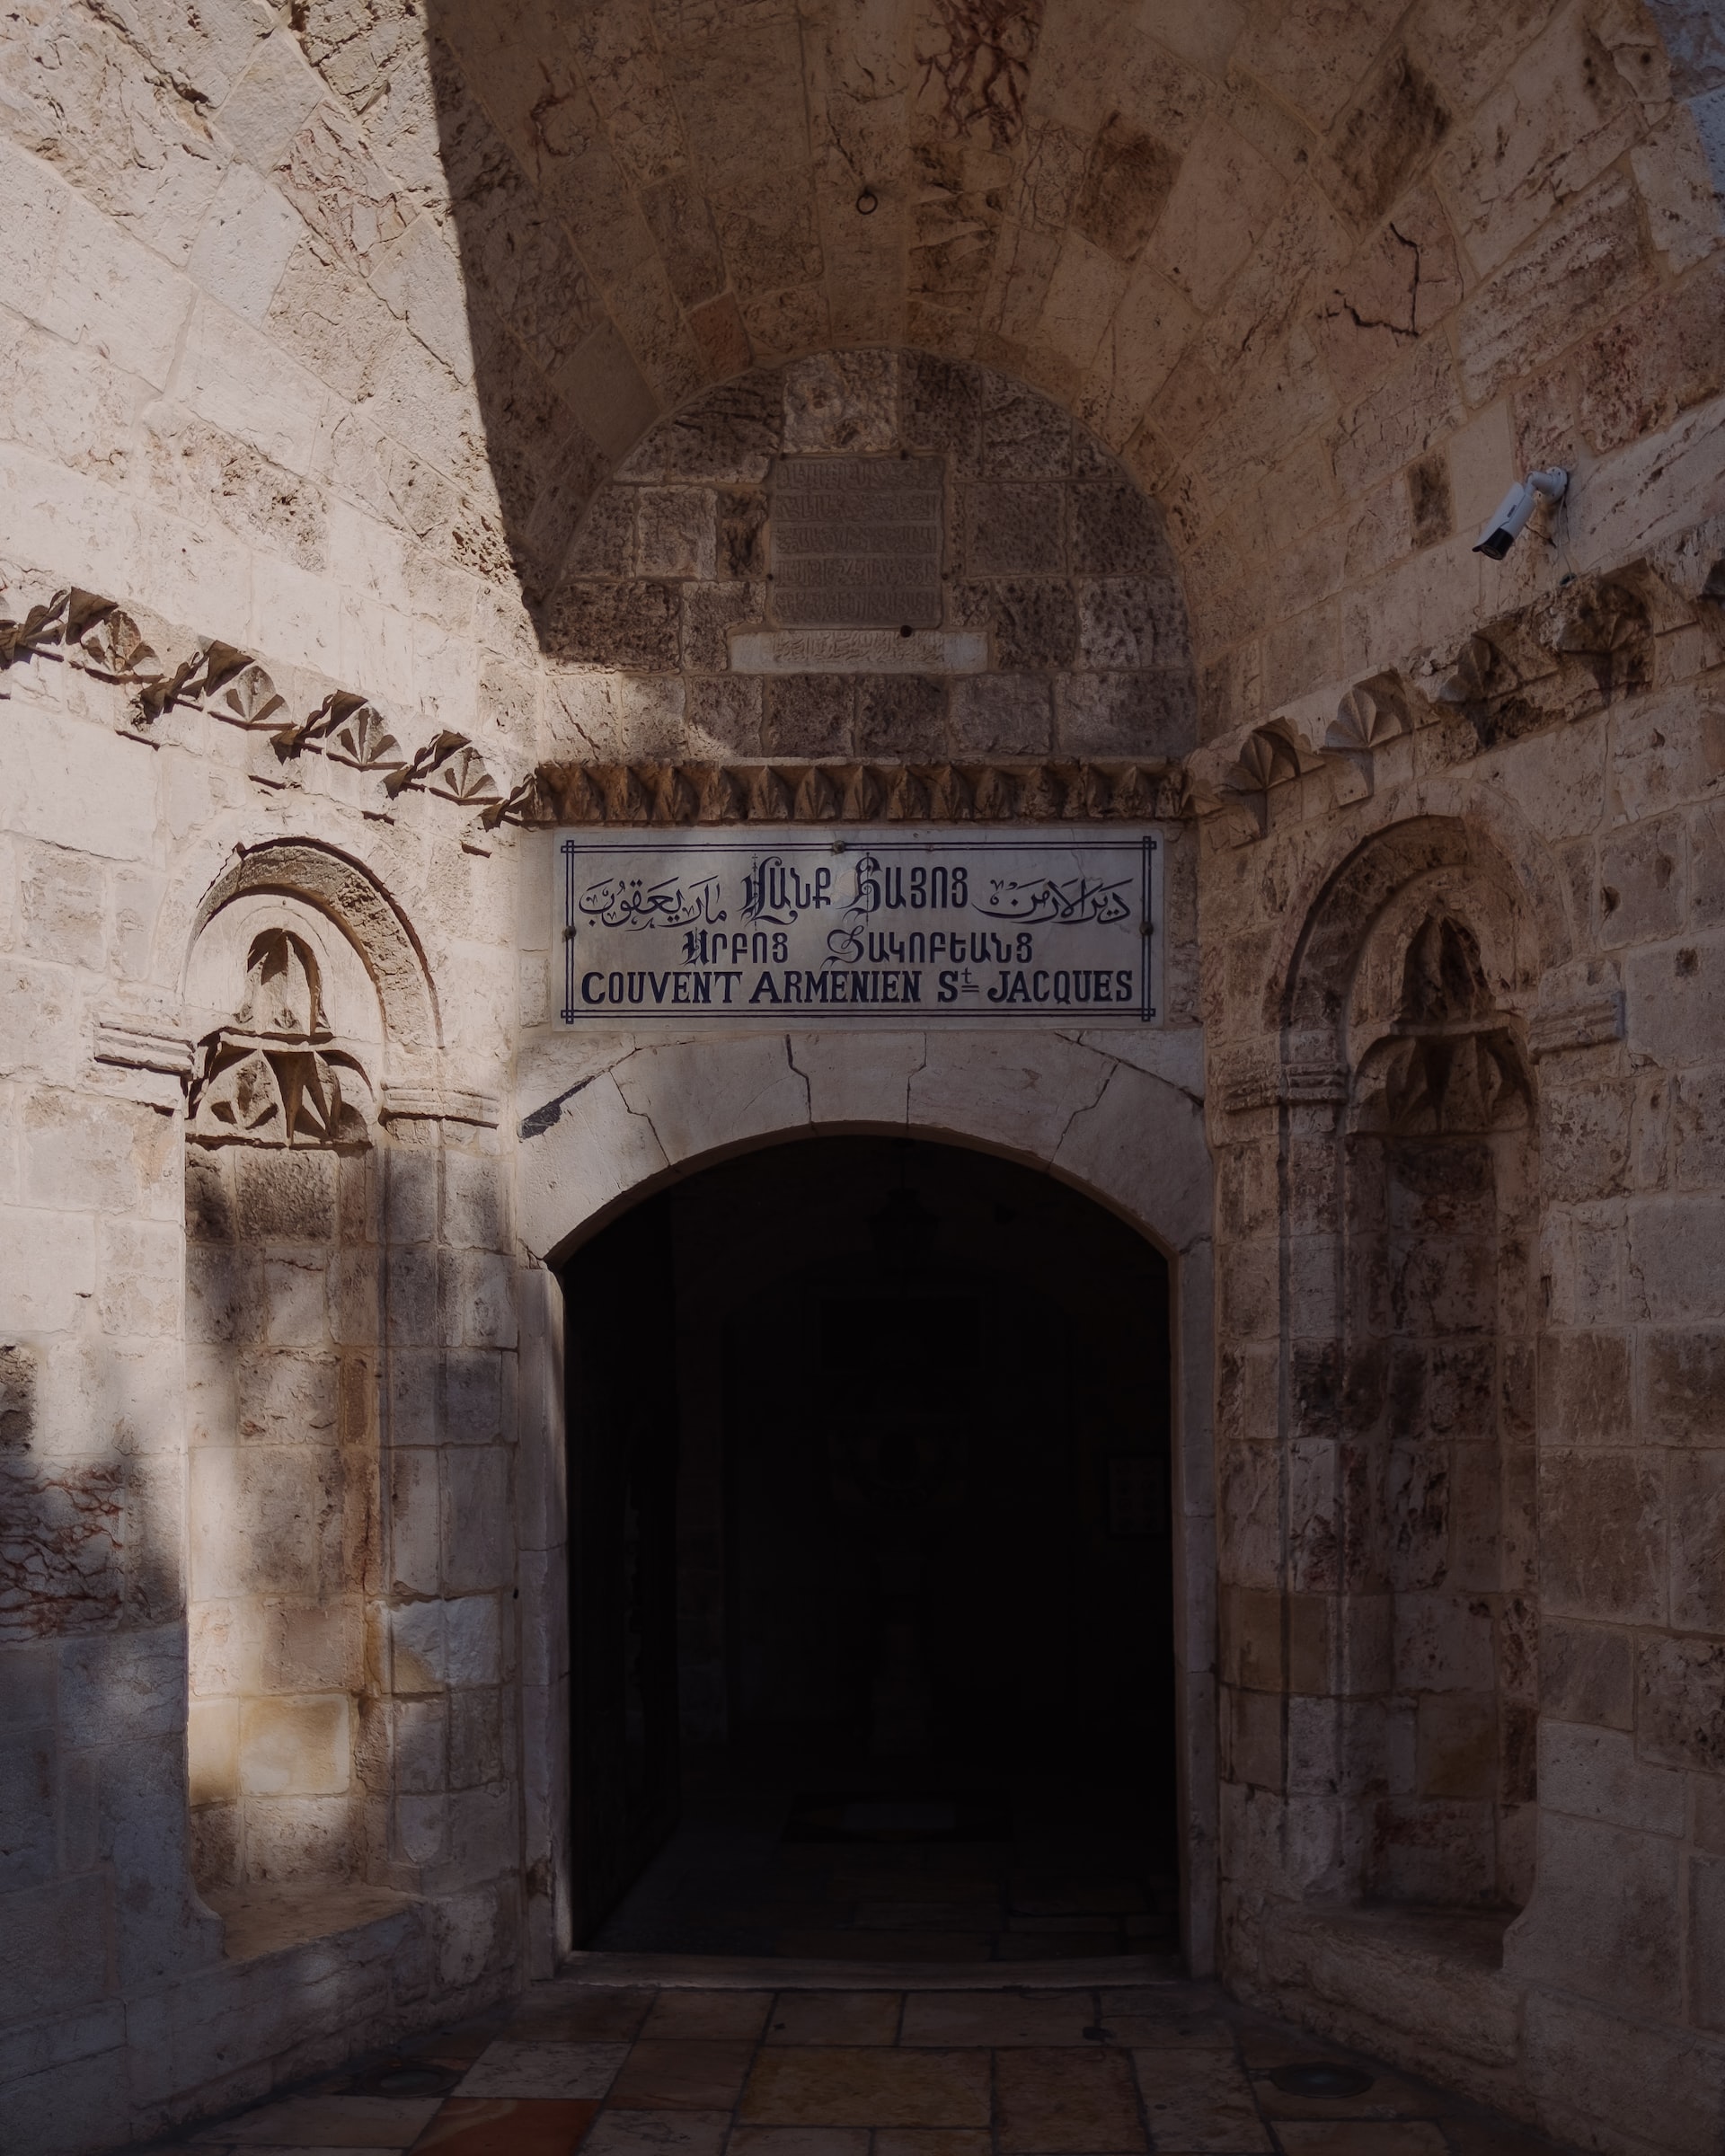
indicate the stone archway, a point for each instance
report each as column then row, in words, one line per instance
column 1130, row 1137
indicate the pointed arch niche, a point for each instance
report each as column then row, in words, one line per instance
column 1383, row 1698
column 1439, row 1360
column 284, row 1280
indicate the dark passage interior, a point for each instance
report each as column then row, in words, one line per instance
column 871, row 1552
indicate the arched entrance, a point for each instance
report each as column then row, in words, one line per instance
column 871, row 1564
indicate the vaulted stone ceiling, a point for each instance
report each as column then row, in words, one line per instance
column 1321, row 270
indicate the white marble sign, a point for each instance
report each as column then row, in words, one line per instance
column 873, row 926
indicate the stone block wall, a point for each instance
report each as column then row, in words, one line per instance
column 1455, row 1002
column 258, row 1628
column 660, row 638
column 320, row 355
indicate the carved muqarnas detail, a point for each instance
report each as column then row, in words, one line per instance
column 1452, row 1064
column 272, row 1075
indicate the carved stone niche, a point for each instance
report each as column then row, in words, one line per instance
column 283, row 1065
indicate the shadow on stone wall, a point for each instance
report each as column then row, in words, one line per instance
column 642, row 543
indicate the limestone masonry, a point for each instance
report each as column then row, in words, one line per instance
column 432, row 432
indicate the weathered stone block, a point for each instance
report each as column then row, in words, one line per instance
column 1684, row 1383
column 1706, row 1959
column 633, row 624
column 296, row 1302
column 901, row 715
column 1604, row 1922
column 676, row 532
column 807, row 714
column 1584, row 1388
column 1147, row 715
column 1602, row 1520
column 61, row 907
column 1587, row 1675
column 265, row 1521
column 940, row 407
column 841, row 401
column 294, row 1748
column 1116, row 532
column 1697, row 1493
column 1677, row 1256
column 310, row 1647
column 213, row 1752
column 28, row 1805
column 709, row 613
column 723, row 716
column 1002, row 714
column 1582, row 265
column 1014, row 529
column 1680, row 1703
column 1036, row 624
column 477, row 1520
column 285, row 1197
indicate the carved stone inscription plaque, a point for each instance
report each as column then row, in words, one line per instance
column 856, row 542
column 884, row 926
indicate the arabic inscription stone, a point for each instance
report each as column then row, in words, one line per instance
column 856, row 542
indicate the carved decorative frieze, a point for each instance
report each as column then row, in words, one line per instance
column 1568, row 654
column 450, row 765
column 231, row 685
column 347, row 729
column 273, row 1076
column 785, row 793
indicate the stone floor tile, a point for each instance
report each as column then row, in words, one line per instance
column 925, row 2141
column 1177, row 2032
column 1064, row 2099
column 510, row 2067
column 817, row 2085
column 1199, row 2102
column 997, row 2017
column 1390, row 2096
column 577, row 2016
column 1159, row 1998
column 507, row 2126
column 739, row 2014
column 1361, row 2137
column 657, row 2133
column 835, row 2018
column 1469, row 2135
column 328, row 2122
column 687, row 2074
column 802, row 2141
column 1266, row 2043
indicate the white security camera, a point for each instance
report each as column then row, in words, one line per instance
column 1504, row 525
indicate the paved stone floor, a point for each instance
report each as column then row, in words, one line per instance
column 683, row 2070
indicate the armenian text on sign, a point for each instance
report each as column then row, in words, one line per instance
column 856, row 542
column 890, row 926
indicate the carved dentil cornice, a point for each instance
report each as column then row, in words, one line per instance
column 785, row 790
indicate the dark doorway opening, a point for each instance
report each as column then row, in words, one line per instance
column 871, row 1571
